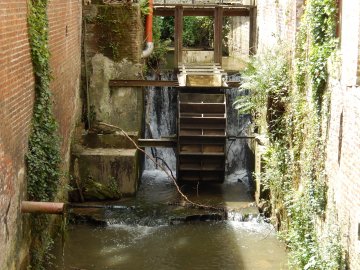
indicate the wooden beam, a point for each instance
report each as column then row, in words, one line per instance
column 140, row 83
column 168, row 142
column 178, row 35
column 218, row 25
column 157, row 83
column 167, row 11
column 253, row 31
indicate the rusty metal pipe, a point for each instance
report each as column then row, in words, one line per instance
column 149, row 32
column 42, row 207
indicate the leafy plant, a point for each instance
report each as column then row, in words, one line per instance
column 43, row 156
column 294, row 162
column 158, row 56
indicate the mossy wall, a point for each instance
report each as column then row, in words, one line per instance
column 118, row 28
column 112, row 47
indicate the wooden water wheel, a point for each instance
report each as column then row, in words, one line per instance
column 201, row 136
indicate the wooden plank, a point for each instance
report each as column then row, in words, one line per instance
column 207, row 154
column 140, row 83
column 202, row 107
column 218, row 21
column 199, row 65
column 203, row 5
column 202, row 120
column 202, row 126
column 231, row 12
column 253, row 31
column 170, row 143
column 201, row 98
column 203, row 71
column 178, row 35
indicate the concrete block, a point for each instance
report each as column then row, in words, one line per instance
column 104, row 173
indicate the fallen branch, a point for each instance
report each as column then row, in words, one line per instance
column 162, row 167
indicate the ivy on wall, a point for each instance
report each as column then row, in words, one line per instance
column 43, row 156
column 290, row 104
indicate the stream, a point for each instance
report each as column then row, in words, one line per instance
column 151, row 234
column 155, row 230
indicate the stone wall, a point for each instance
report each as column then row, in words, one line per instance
column 16, row 106
column 278, row 20
column 113, row 46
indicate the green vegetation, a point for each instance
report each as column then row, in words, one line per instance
column 161, row 46
column 198, row 31
column 293, row 116
column 43, row 157
column 112, row 28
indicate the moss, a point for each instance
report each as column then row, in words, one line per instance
column 114, row 25
column 97, row 191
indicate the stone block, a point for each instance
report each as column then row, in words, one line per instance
column 104, row 173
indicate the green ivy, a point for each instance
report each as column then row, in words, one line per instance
column 43, row 156
column 276, row 94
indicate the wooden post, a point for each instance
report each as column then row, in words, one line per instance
column 218, row 24
column 179, row 12
column 252, row 31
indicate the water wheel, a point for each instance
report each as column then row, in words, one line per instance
column 201, row 136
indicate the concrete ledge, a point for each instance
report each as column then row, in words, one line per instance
column 94, row 140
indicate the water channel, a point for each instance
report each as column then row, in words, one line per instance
column 153, row 234
column 155, row 231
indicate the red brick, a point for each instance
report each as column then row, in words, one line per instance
column 17, row 95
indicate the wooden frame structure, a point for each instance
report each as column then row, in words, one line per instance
column 218, row 12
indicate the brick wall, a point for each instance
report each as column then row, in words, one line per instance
column 65, row 46
column 16, row 104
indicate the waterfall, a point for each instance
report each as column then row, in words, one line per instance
column 239, row 157
column 160, row 120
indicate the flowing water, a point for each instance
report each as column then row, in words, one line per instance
column 153, row 235
column 155, row 230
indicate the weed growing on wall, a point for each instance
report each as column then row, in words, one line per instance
column 290, row 108
column 43, row 156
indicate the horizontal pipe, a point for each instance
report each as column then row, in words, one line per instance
column 42, row 207
column 59, row 208
column 70, row 205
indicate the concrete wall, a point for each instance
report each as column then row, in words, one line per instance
column 113, row 51
column 279, row 19
column 16, row 106
column 343, row 153
column 238, row 38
